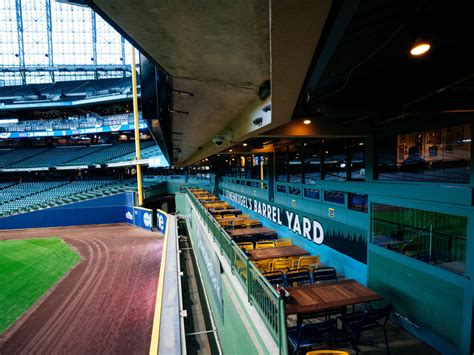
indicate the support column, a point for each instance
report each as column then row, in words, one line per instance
column 322, row 157
column 370, row 159
column 94, row 43
column 49, row 26
column 271, row 177
column 122, row 43
column 137, row 131
column 21, row 43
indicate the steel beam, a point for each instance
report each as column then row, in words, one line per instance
column 49, row 26
column 21, row 43
column 94, row 42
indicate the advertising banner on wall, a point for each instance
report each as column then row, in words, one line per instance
column 161, row 221
column 142, row 217
column 343, row 238
column 71, row 132
column 129, row 214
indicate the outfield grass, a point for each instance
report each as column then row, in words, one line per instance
column 28, row 268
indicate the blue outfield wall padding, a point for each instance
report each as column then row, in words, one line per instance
column 344, row 264
column 103, row 210
column 161, row 221
column 142, row 217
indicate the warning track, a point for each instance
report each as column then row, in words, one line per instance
column 104, row 305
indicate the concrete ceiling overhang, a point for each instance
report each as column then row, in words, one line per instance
column 222, row 52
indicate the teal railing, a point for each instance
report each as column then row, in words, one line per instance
column 260, row 292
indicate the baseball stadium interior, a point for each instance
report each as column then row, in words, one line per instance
column 236, row 177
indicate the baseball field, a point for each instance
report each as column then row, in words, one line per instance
column 28, row 268
column 105, row 304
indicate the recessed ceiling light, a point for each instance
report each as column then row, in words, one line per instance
column 419, row 48
column 307, row 121
column 230, row 150
column 245, row 144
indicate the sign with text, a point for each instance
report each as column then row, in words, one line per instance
column 142, row 217
column 339, row 236
column 129, row 215
column 304, row 226
column 161, row 221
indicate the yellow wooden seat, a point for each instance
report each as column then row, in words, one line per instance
column 308, row 261
column 263, row 265
column 224, row 223
column 265, row 244
column 239, row 223
column 241, row 267
column 251, row 223
column 246, row 245
column 244, row 216
column 327, row 352
column 282, row 264
column 217, row 216
column 284, row 242
column 230, row 215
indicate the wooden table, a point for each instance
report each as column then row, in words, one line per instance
column 242, row 232
column 277, row 252
column 209, row 202
column 234, row 219
column 235, row 211
column 328, row 296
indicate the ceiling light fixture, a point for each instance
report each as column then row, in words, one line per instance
column 230, row 150
column 419, row 48
column 245, row 144
column 307, row 121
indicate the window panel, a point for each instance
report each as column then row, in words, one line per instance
column 334, row 196
column 312, row 162
column 294, row 164
column 440, row 155
column 335, row 160
column 435, row 238
column 281, row 165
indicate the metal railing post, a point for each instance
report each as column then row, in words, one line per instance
column 282, row 327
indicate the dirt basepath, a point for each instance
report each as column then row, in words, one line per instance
column 104, row 305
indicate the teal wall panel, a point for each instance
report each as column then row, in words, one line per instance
column 428, row 299
column 345, row 264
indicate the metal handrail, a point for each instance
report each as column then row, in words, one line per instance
column 261, row 294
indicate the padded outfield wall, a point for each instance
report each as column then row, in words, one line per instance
column 103, row 210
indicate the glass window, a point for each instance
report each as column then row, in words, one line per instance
column 334, row 196
column 439, row 155
column 358, row 202
column 357, row 167
column 312, row 162
column 281, row 189
column 72, row 41
column 335, row 162
column 434, row 238
column 249, row 171
column 296, row 191
column 294, row 164
column 258, row 167
column 311, row 193
column 281, row 168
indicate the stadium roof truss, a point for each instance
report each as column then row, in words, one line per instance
column 47, row 41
